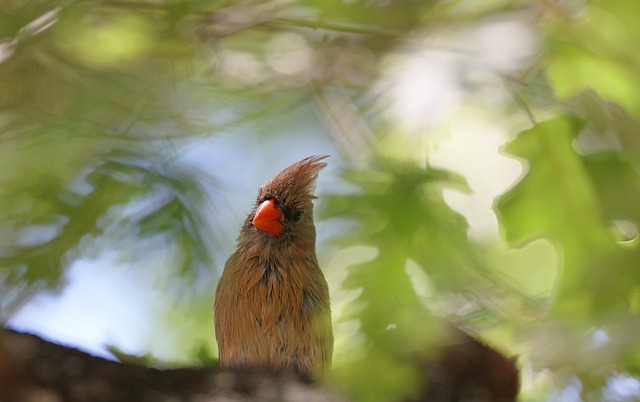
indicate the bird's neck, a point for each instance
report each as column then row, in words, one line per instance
column 276, row 250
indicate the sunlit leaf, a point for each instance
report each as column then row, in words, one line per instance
column 400, row 212
column 590, row 50
column 556, row 195
column 575, row 68
column 570, row 198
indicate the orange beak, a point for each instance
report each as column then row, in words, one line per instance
column 268, row 218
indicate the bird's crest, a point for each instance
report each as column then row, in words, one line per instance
column 298, row 179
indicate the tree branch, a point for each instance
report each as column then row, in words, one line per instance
column 32, row 369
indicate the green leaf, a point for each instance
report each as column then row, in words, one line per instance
column 571, row 199
column 400, row 213
column 574, row 68
column 555, row 196
column 594, row 49
column 617, row 182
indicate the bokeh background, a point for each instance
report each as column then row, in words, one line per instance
column 484, row 171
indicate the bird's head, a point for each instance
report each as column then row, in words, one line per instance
column 284, row 206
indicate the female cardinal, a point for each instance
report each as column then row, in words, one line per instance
column 272, row 302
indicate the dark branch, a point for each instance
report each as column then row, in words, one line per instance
column 32, row 369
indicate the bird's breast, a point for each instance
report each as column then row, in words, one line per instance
column 276, row 299
column 274, row 315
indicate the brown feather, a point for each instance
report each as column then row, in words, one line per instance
column 272, row 302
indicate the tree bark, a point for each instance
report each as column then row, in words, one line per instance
column 35, row 370
column 32, row 369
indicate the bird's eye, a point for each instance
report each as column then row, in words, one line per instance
column 297, row 215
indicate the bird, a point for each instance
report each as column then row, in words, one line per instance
column 272, row 308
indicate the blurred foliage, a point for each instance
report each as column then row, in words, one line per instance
column 400, row 212
column 100, row 98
